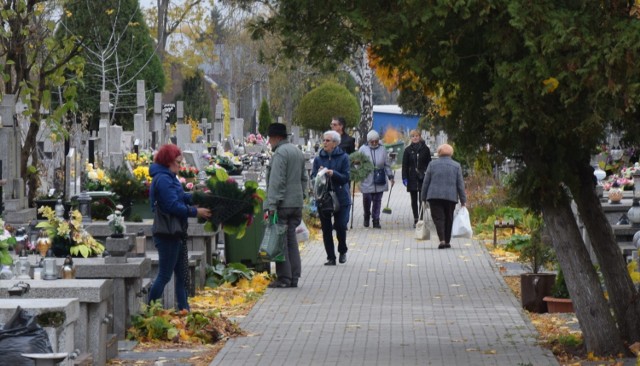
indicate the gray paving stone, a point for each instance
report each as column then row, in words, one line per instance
column 397, row 301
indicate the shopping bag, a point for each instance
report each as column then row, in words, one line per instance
column 462, row 224
column 272, row 245
column 422, row 231
column 302, row 232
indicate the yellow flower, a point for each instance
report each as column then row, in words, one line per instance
column 551, row 84
column 63, row 229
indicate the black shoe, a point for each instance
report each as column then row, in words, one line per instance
column 447, row 245
column 330, row 262
column 442, row 246
column 376, row 224
column 366, row 223
column 294, row 283
column 278, row 284
column 342, row 258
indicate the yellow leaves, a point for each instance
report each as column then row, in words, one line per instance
column 109, row 11
column 551, row 84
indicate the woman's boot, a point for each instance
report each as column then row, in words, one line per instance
column 376, row 224
column 366, row 220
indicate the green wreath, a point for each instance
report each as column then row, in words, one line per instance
column 361, row 166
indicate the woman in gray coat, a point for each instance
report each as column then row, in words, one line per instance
column 372, row 192
column 442, row 187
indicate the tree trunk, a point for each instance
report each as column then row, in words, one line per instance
column 363, row 76
column 599, row 330
column 623, row 297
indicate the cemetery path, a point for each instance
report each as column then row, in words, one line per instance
column 396, row 301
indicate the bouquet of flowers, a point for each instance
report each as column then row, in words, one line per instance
column 116, row 222
column 231, row 206
column 140, row 159
column 7, row 241
column 187, row 186
column 96, row 179
column 188, row 172
column 69, row 236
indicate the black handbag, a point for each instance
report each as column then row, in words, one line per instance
column 328, row 202
column 166, row 224
column 379, row 176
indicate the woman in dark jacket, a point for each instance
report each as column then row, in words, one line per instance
column 166, row 191
column 415, row 160
column 336, row 162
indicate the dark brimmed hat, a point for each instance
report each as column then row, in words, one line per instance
column 277, row 129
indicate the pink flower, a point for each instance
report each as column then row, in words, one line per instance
column 190, row 186
column 231, row 180
column 182, row 180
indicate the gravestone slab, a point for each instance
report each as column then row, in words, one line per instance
column 183, row 135
column 192, row 158
column 73, row 174
column 218, row 130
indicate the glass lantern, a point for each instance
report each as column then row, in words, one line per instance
column 49, row 267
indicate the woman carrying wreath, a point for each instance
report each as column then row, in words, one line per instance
column 371, row 188
column 336, row 162
column 166, row 194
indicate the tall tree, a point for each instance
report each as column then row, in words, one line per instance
column 264, row 117
column 35, row 64
column 118, row 52
column 540, row 81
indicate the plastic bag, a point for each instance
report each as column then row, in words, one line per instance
column 302, row 232
column 272, row 245
column 22, row 334
column 462, row 224
column 422, row 231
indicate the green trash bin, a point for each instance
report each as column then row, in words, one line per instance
column 245, row 249
column 396, row 148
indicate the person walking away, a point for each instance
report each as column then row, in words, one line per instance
column 347, row 143
column 415, row 159
column 286, row 183
column 371, row 191
column 442, row 187
column 166, row 193
column 336, row 161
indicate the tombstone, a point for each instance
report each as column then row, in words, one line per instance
column 116, row 160
column 72, row 174
column 228, row 145
column 180, row 111
column 183, row 135
column 218, row 130
column 295, row 135
column 140, row 130
column 14, row 199
column 157, row 125
column 205, row 126
column 237, row 128
column 192, row 158
column 141, row 104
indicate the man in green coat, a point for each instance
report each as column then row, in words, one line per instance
column 286, row 185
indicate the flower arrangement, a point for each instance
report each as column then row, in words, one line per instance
column 211, row 169
column 116, row 222
column 188, row 172
column 253, row 139
column 231, row 206
column 125, row 185
column 69, row 236
column 7, row 241
column 187, row 186
column 140, row 159
column 96, row 179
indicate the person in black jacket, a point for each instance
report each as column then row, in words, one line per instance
column 415, row 160
column 347, row 143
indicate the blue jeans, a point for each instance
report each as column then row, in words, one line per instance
column 170, row 262
column 340, row 221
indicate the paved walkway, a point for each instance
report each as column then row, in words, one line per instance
column 397, row 301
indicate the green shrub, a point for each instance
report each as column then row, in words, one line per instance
column 560, row 289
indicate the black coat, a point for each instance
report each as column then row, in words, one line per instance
column 347, row 143
column 415, row 160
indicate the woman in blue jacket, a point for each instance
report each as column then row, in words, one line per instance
column 336, row 161
column 166, row 192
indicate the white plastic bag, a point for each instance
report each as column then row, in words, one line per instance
column 302, row 232
column 422, row 231
column 462, row 224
